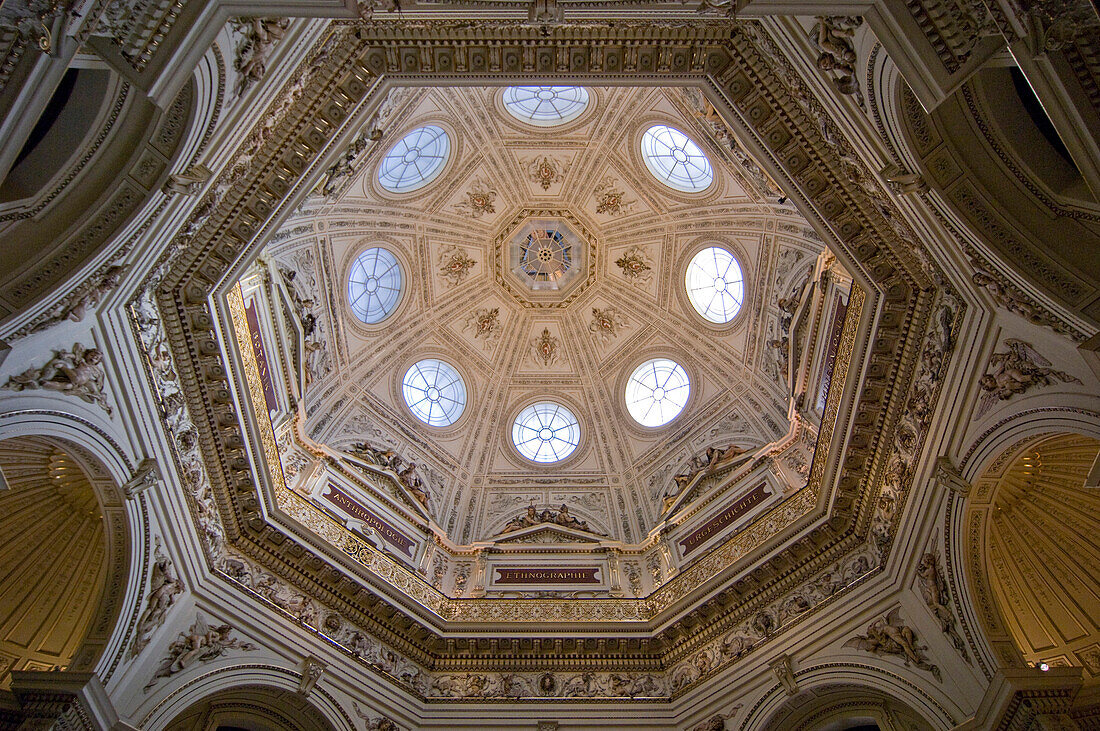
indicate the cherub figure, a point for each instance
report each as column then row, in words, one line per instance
column 199, row 644
column 890, row 636
column 78, row 372
column 164, row 587
column 1016, row 371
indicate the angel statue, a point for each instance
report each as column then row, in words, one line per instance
column 889, row 635
column 78, row 372
column 1017, row 371
column 200, row 643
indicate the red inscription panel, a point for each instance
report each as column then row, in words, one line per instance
column 709, row 529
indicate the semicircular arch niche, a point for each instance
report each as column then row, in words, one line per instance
column 1041, row 550
column 845, row 708
column 255, row 708
column 53, row 560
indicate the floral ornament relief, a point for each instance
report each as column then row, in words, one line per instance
column 606, row 323
column 636, row 264
column 611, row 200
column 544, row 348
column 375, row 723
column 479, row 200
column 546, row 172
column 889, row 635
column 454, row 264
column 77, row 372
column 484, row 323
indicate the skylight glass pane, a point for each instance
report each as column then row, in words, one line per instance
column 374, row 285
column 435, row 392
column 675, row 160
column 415, row 160
column 546, row 432
column 545, row 106
column 657, row 392
column 715, row 285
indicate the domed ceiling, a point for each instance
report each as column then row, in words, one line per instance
column 544, row 263
column 608, row 295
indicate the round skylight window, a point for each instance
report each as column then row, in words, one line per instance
column 374, row 285
column 545, row 106
column 434, row 392
column 546, row 432
column 657, row 392
column 415, row 160
column 715, row 285
column 675, row 160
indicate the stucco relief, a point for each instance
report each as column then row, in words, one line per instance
column 478, row 200
column 200, row 643
column 889, row 635
column 164, row 588
column 77, row 372
column 484, row 324
column 636, row 265
column 834, row 38
column 763, row 623
column 916, row 418
column 1016, row 371
column 611, row 199
column 256, row 38
column 454, row 264
column 300, row 276
column 545, row 171
column 933, row 589
column 75, row 306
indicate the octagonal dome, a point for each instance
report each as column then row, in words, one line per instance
column 544, row 258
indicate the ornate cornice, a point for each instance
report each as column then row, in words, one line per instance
column 311, row 584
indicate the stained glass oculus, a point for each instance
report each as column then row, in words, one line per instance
column 546, row 432
column 434, row 391
column 545, row 106
column 415, row 160
column 657, row 392
column 374, row 285
column 675, row 160
column 715, row 284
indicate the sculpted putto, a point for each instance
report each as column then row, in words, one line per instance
column 700, row 466
column 200, row 643
column 1016, row 371
column 934, row 591
column 890, row 636
column 833, row 37
column 164, row 587
column 77, row 372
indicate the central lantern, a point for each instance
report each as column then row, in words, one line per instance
column 544, row 258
